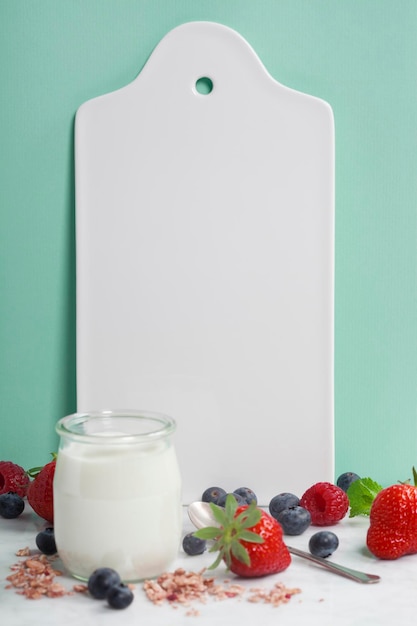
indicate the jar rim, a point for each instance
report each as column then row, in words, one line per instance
column 154, row 426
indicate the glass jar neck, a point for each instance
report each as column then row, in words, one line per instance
column 116, row 427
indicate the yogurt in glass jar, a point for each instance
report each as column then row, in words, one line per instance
column 117, row 494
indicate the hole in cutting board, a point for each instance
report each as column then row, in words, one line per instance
column 204, row 85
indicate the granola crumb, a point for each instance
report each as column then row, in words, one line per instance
column 181, row 588
column 23, row 552
column 279, row 594
column 192, row 613
column 34, row 577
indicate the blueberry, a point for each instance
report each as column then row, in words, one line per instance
column 246, row 493
column 101, row 580
column 119, row 596
column 294, row 520
column 212, row 494
column 345, row 480
column 192, row 545
column 323, row 543
column 282, row 501
column 239, row 499
column 45, row 540
column 11, row 505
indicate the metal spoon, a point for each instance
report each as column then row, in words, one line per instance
column 201, row 516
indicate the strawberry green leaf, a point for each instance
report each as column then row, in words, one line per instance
column 34, row 471
column 250, row 517
column 232, row 530
column 361, row 494
column 230, row 506
column 240, row 553
column 217, row 546
column 208, row 533
column 217, row 562
column 415, row 476
column 219, row 514
column 248, row 535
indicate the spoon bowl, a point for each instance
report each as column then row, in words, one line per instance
column 201, row 515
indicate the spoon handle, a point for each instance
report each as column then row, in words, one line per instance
column 359, row 577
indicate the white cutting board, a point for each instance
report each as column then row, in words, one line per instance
column 204, row 236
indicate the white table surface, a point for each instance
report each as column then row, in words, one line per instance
column 325, row 599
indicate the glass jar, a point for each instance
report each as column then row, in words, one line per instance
column 117, row 494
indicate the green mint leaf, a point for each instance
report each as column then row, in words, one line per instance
column 361, row 494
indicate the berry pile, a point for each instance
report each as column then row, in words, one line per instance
column 247, row 539
column 286, row 509
column 322, row 504
column 217, row 495
column 16, row 484
column 105, row 583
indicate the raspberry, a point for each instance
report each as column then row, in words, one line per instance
column 13, row 478
column 327, row 503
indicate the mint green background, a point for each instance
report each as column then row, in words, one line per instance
column 359, row 55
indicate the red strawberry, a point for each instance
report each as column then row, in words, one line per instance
column 13, row 478
column 327, row 503
column 40, row 492
column 248, row 540
column 393, row 522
